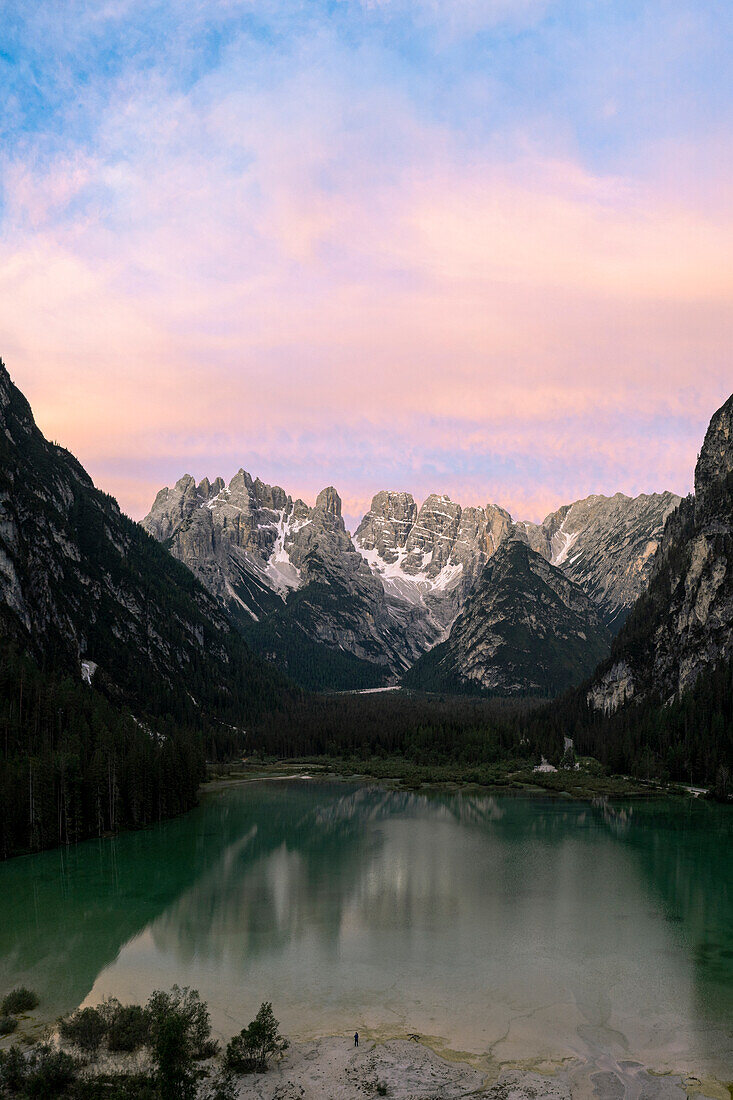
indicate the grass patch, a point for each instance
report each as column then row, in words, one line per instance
column 590, row 781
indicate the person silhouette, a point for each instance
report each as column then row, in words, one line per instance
column 356, row 1038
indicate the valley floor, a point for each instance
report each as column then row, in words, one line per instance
column 505, row 777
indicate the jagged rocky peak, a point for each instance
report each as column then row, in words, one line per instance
column 524, row 629
column 387, row 524
column 244, row 497
column 605, row 544
column 171, row 507
column 323, row 548
column 715, row 462
column 329, row 501
column 257, row 518
column 429, row 558
column 247, row 513
column 432, row 536
column 206, row 489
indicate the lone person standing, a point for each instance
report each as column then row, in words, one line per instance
column 356, row 1038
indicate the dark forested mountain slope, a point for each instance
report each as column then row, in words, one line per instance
column 525, row 629
column 89, row 596
column 663, row 700
column 79, row 581
column 683, row 623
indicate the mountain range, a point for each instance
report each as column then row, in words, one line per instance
column 127, row 652
column 342, row 613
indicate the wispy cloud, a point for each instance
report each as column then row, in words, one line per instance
column 254, row 234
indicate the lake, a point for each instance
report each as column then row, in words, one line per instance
column 515, row 927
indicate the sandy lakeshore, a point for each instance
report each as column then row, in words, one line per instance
column 331, row 1069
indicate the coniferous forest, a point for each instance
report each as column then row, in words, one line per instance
column 72, row 765
column 75, row 765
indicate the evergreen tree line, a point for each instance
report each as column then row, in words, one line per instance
column 72, row 765
column 688, row 740
column 426, row 729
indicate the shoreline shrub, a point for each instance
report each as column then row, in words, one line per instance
column 251, row 1050
column 187, row 1004
column 128, row 1027
column 42, row 1073
column 19, row 1000
column 84, row 1029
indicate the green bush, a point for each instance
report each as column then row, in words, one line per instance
column 128, row 1026
column 85, row 1029
column 8, row 1025
column 187, row 1004
column 19, row 1000
column 12, row 1070
column 250, row 1051
column 173, row 1057
column 50, row 1072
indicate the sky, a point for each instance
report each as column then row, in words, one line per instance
column 479, row 247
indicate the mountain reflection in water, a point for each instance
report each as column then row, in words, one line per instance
column 534, row 926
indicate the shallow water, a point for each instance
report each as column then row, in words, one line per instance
column 519, row 927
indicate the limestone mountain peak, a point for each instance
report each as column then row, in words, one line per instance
column 328, row 500
column 715, row 461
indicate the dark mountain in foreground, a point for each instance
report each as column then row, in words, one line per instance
column 90, row 603
column 524, row 630
column 683, row 623
column 80, row 582
column 663, row 700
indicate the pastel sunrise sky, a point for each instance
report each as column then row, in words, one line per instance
column 481, row 247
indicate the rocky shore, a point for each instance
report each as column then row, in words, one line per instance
column 404, row 1069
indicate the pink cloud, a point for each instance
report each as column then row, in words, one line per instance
column 230, row 275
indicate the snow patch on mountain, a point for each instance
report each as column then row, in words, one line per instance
column 410, row 586
column 562, row 542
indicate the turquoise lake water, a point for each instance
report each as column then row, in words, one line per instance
column 521, row 928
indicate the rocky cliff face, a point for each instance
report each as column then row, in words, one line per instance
column 683, row 623
column 278, row 563
column 254, row 548
column 233, row 537
column 86, row 591
column 524, row 629
column 606, row 545
column 431, row 558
